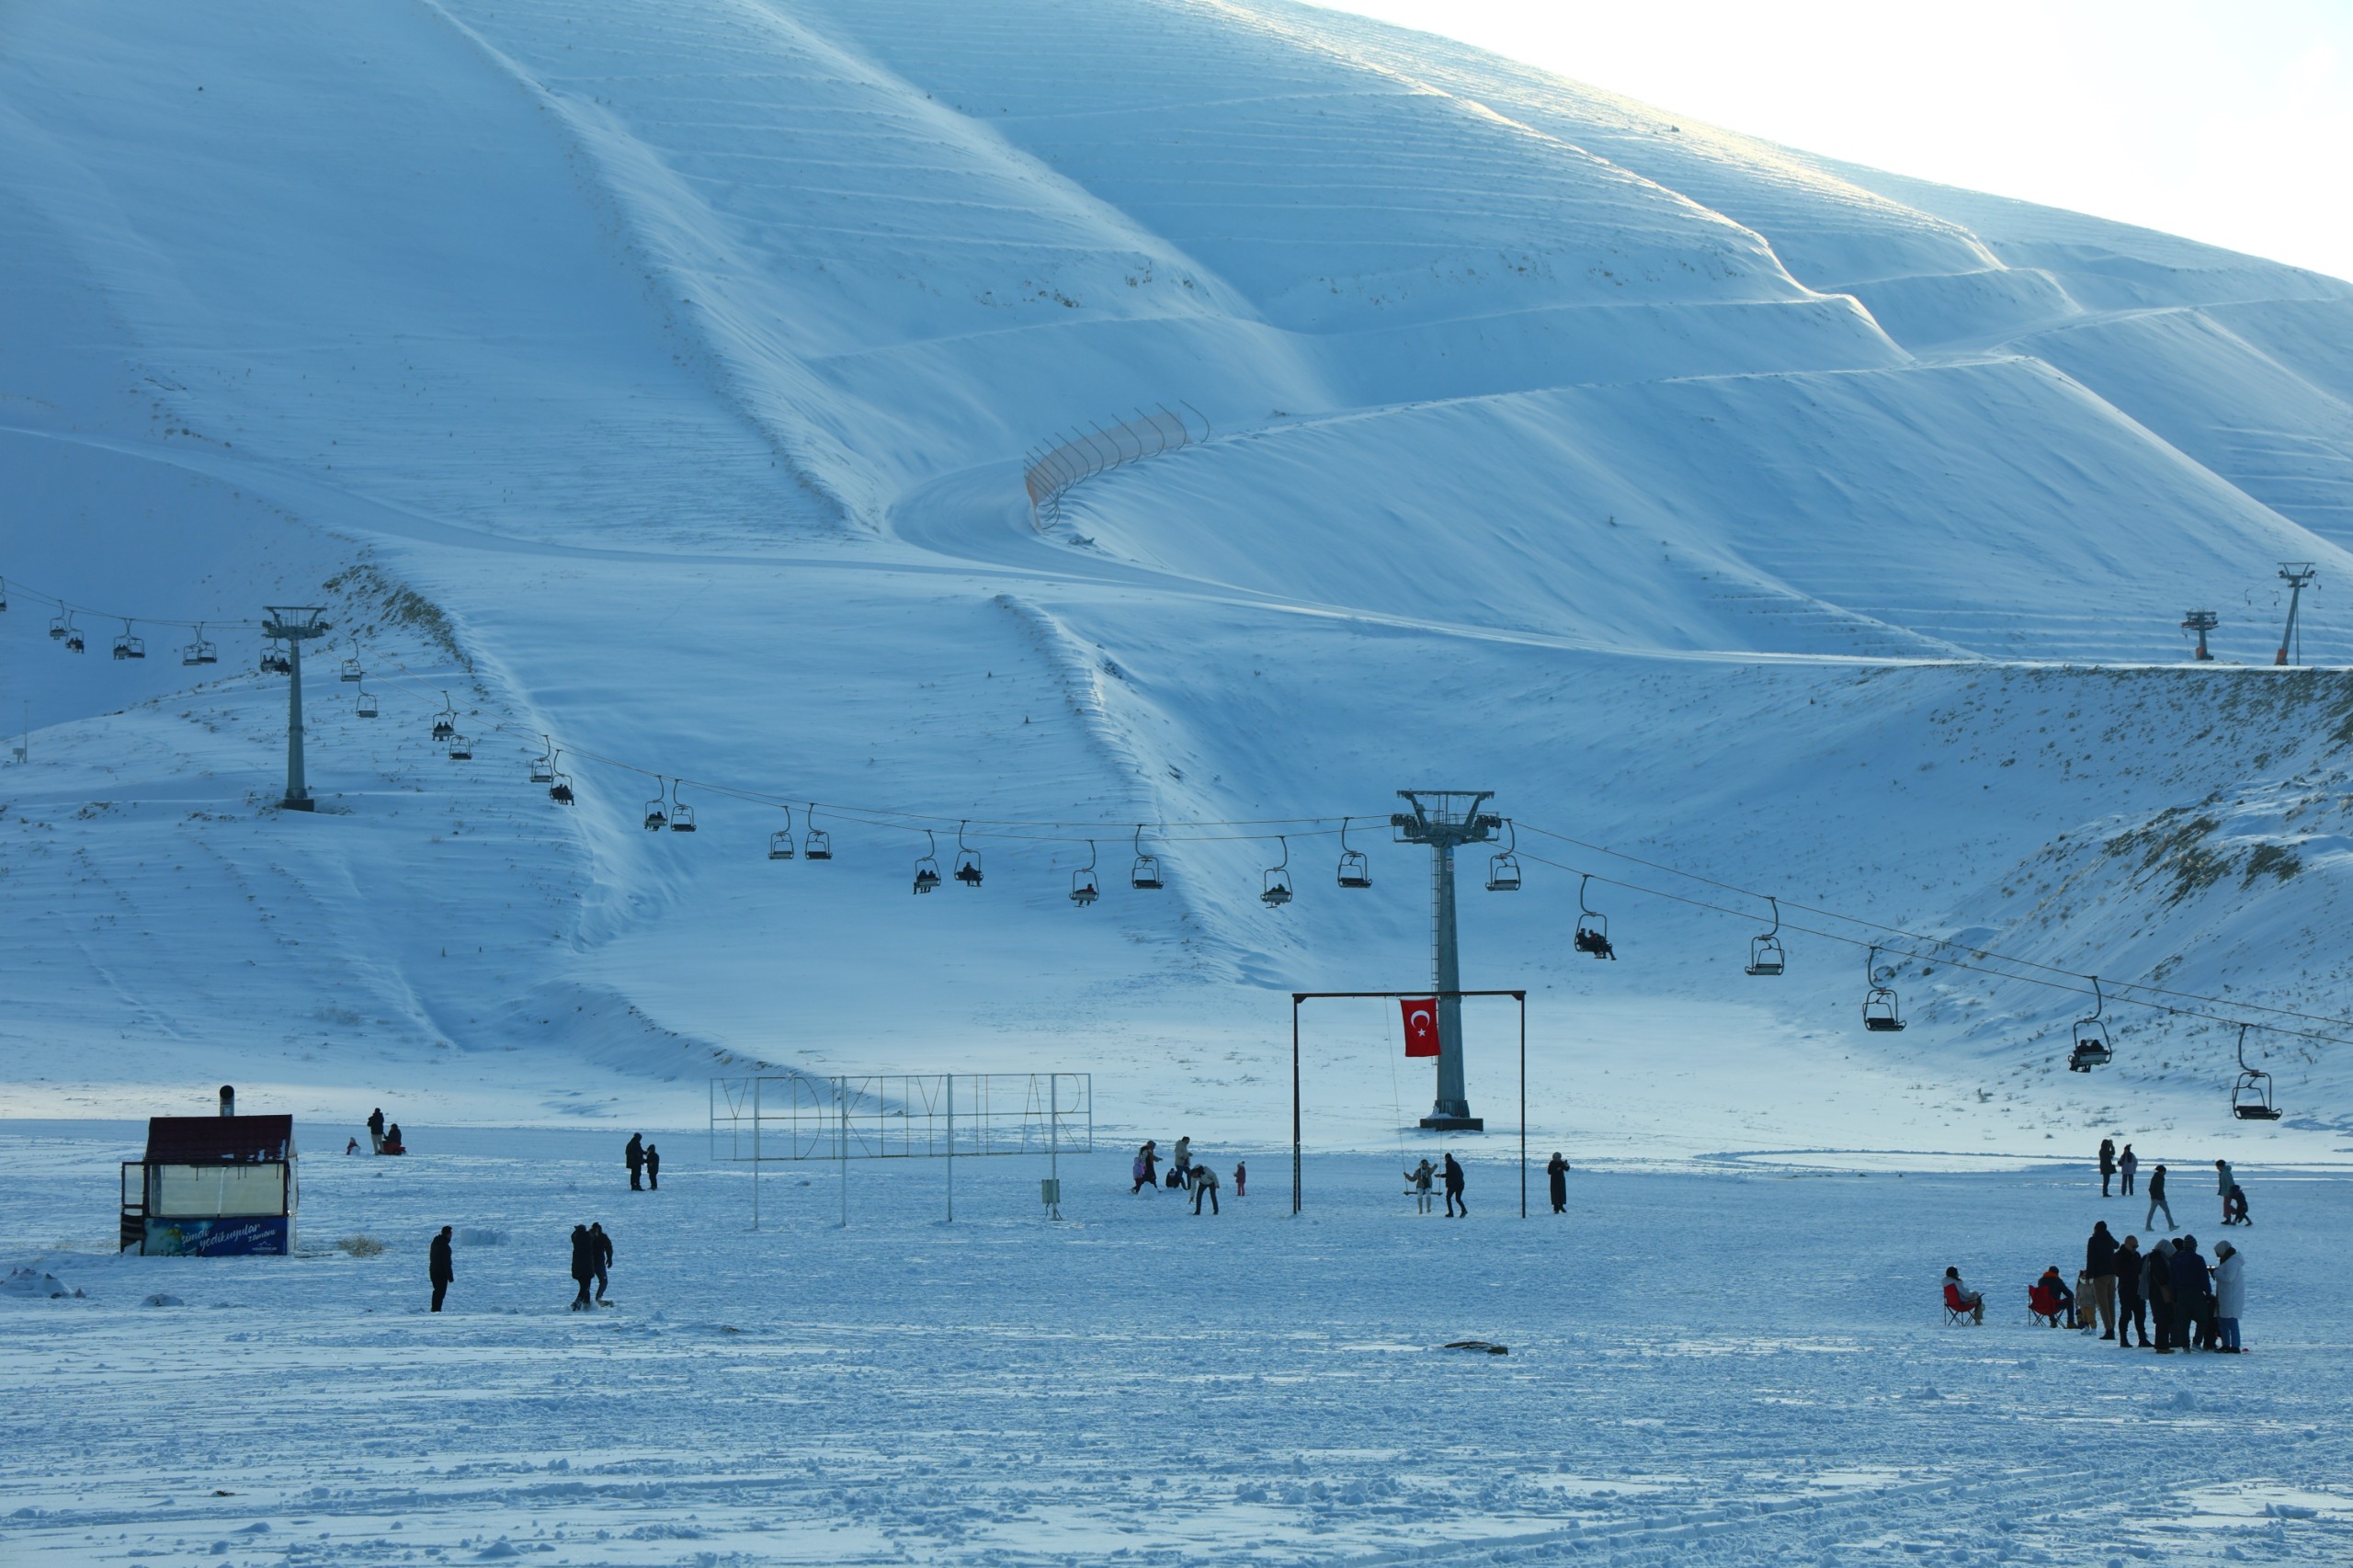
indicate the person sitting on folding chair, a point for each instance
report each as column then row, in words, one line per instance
column 1961, row 1301
column 2048, row 1299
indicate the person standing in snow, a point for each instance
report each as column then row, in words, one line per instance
column 633, row 1156
column 2193, row 1297
column 2156, row 1284
column 1205, row 1186
column 2223, row 1182
column 604, row 1259
column 1240, row 1174
column 1556, row 1171
column 1455, row 1208
column 1146, row 1171
column 2126, row 1164
column 376, row 1129
column 438, row 1269
column 2131, row 1307
column 652, row 1168
column 584, row 1265
column 1182, row 1163
column 1420, row 1177
column 2100, row 1267
column 2107, row 1163
column 2229, row 1297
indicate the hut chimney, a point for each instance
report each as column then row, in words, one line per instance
column 228, row 1099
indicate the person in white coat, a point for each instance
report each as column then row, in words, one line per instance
column 2230, row 1296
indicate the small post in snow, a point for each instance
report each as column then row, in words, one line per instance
column 951, row 1148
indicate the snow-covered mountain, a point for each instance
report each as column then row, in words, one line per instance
column 659, row 377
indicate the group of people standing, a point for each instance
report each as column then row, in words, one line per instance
column 1184, row 1174
column 2227, row 1186
column 2171, row 1297
column 644, row 1160
column 382, row 1138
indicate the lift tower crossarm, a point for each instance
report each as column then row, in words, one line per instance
column 1444, row 820
column 293, row 625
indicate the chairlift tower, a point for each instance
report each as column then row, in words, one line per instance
column 2295, row 573
column 292, row 624
column 1446, row 819
column 2201, row 621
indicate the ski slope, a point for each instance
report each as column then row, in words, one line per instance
column 658, row 377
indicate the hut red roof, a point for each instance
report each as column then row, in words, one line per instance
column 219, row 1140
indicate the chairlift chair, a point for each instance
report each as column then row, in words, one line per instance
column 2092, row 1046
column 1593, row 927
column 1083, row 889
column 780, row 844
column 816, row 846
column 1147, row 873
column 4, row 595
column 927, row 865
column 201, row 652
column 460, row 749
column 126, row 646
column 1356, row 871
column 560, row 787
column 1883, row 1009
column 1765, row 954
column 658, row 809
column 365, row 708
column 968, row 860
column 73, row 643
column 682, row 815
column 1503, row 870
column 543, row 764
column 351, row 671
column 57, row 628
column 2251, row 1096
column 445, row 724
column 1277, row 890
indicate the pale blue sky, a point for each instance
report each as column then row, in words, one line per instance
column 2227, row 122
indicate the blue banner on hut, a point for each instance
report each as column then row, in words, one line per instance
column 211, row 1186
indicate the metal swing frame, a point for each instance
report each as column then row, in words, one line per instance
column 1145, row 875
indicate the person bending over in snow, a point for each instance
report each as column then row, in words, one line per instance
column 352, row 1147
column 1455, row 1207
column 2234, row 1209
column 1204, row 1186
column 1420, row 1177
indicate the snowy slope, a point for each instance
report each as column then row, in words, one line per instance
column 666, row 369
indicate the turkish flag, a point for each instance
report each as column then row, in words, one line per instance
column 1420, row 1025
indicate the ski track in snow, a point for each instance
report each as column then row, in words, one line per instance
column 1737, row 1367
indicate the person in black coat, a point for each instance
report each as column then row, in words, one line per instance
column 633, row 1156
column 376, row 1130
column 2156, row 1284
column 1455, row 1207
column 654, row 1168
column 584, row 1265
column 2132, row 1306
column 2157, row 1201
column 2099, row 1266
column 2107, row 1163
column 2193, row 1297
column 439, row 1268
column 604, row 1255
column 1557, row 1172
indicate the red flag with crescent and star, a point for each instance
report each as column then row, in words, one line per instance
column 1420, row 1025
